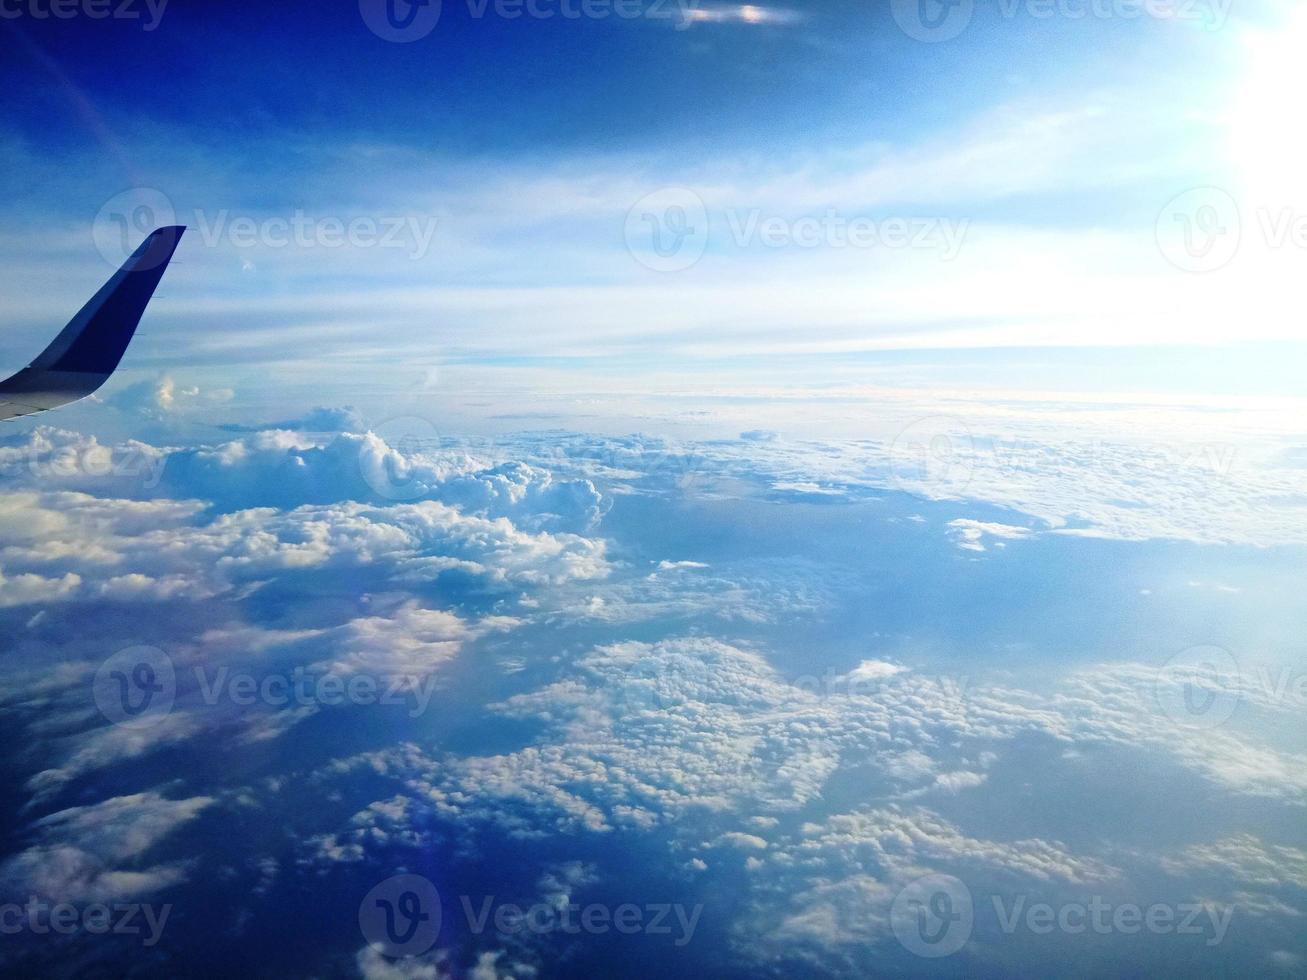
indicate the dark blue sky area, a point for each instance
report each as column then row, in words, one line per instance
column 489, row 84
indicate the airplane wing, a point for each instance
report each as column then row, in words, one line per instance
column 86, row 351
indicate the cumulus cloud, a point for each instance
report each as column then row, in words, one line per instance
column 874, row 670
column 704, row 737
column 285, row 468
column 158, row 550
column 320, row 419
column 832, row 883
column 642, row 734
column 439, row 965
column 645, row 733
column 29, row 588
column 163, row 397
column 644, row 704
column 373, row 965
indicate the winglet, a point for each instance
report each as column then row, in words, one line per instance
column 87, row 351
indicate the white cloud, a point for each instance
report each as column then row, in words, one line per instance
column 970, row 535
column 29, row 588
column 874, row 670
column 131, row 550
column 81, row 852
column 1244, row 858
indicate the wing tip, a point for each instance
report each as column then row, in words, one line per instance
column 169, row 233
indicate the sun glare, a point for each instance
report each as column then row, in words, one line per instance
column 1268, row 138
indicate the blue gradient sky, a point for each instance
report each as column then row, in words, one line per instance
column 1052, row 144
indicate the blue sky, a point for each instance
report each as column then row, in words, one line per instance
column 1035, row 154
column 788, row 466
